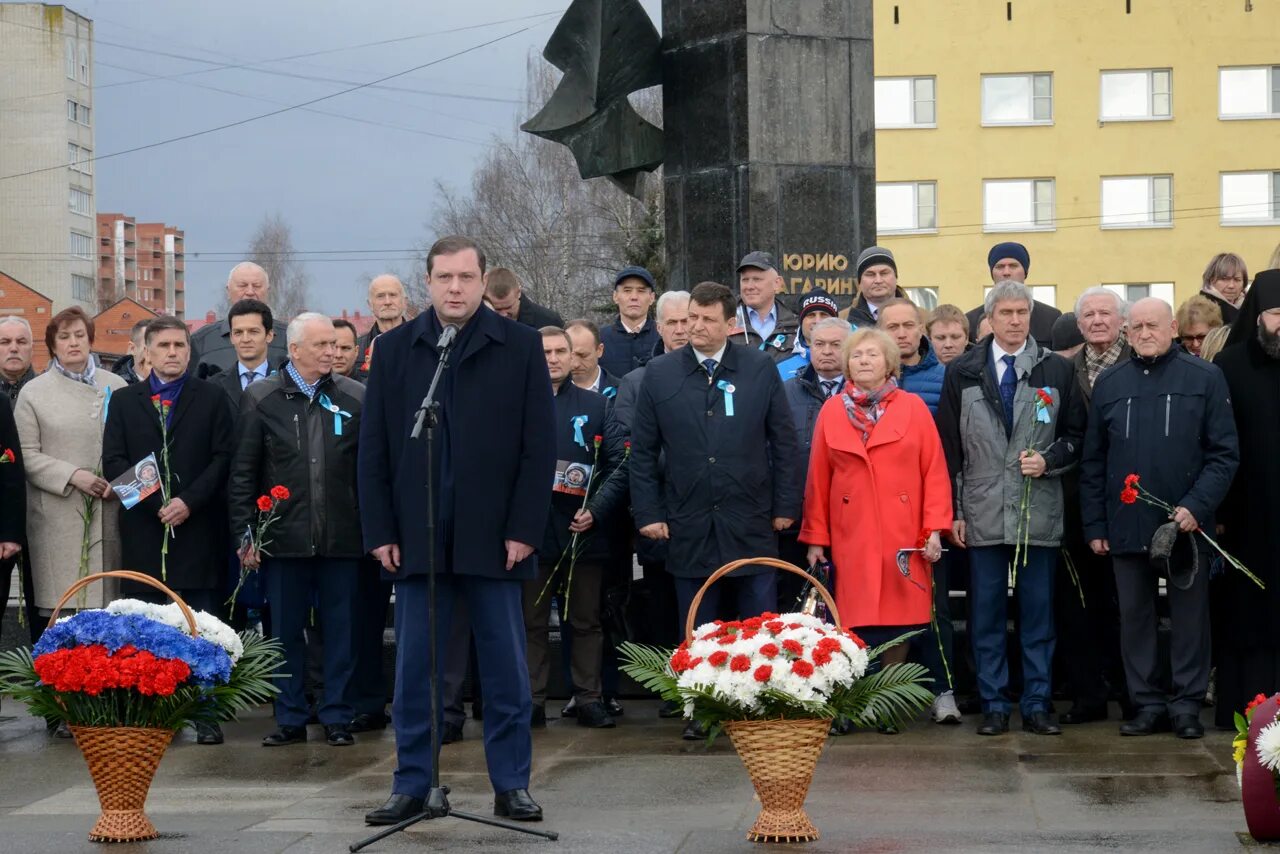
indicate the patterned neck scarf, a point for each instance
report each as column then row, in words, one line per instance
column 865, row 408
column 1096, row 364
column 86, row 376
column 303, row 386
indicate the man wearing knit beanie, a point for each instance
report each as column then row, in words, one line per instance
column 1011, row 260
column 877, row 284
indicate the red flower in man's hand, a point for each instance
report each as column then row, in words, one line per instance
column 280, row 493
column 155, row 398
column 264, row 503
column 597, row 440
column 1128, row 495
column 7, row 456
column 1130, row 481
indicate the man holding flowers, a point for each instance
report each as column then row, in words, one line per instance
column 1011, row 420
column 1160, row 425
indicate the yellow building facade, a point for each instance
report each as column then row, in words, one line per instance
column 1124, row 142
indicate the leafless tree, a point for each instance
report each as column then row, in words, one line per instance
column 563, row 236
column 271, row 247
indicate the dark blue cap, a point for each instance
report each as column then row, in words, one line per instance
column 635, row 273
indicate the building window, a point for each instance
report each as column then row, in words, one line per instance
column 1135, row 292
column 84, row 64
column 82, row 288
column 79, row 159
column 146, row 274
column 81, row 202
column 926, row 298
column 904, row 208
column 77, row 113
column 1023, row 205
column 71, row 59
column 1249, row 93
column 1046, row 294
column 1136, row 95
column 1137, row 202
column 82, row 245
column 1017, row 99
column 1250, row 198
column 905, row 102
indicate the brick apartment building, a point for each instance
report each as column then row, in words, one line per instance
column 18, row 300
column 141, row 261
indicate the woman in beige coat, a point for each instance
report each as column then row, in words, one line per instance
column 60, row 417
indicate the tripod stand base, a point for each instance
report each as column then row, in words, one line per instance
column 436, row 805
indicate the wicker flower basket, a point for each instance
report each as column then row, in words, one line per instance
column 780, row 755
column 122, row 760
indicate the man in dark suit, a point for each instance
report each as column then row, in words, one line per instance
column 494, row 459
column 505, row 295
column 199, row 433
column 588, row 369
column 212, row 348
column 727, row 484
column 252, row 335
column 13, row 497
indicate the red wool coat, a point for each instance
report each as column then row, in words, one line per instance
column 864, row 502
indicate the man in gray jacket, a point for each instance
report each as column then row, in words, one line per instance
column 1011, row 420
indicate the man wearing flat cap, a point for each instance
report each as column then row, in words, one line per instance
column 877, row 284
column 763, row 320
column 630, row 339
column 1012, row 261
column 1164, row 416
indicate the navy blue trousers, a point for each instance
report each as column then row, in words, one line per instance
column 293, row 585
column 368, row 688
column 988, row 618
column 754, row 594
column 497, row 623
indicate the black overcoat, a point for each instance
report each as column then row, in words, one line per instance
column 607, row 491
column 502, row 451
column 200, row 447
column 723, row 478
column 13, row 482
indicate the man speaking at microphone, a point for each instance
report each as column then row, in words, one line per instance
column 494, row 457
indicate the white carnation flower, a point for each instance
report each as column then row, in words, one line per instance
column 208, row 626
column 1267, row 746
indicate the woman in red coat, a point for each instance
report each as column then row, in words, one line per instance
column 877, row 483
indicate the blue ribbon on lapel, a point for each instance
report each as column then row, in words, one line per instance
column 578, row 422
column 728, row 389
column 338, row 414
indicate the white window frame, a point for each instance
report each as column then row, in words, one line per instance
column 1160, row 290
column 914, row 84
column 1034, row 223
column 1151, row 114
column 917, row 207
column 1273, row 186
column 1031, row 77
column 84, row 64
column 77, row 112
column 85, row 281
column 81, row 251
column 924, row 297
column 1155, row 213
column 71, row 58
column 1272, row 90
column 86, row 199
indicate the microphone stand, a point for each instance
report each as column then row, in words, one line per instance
column 436, row 804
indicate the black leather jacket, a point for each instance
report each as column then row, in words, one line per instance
column 285, row 439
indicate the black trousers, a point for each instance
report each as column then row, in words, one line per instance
column 1136, row 586
column 373, row 595
column 1088, row 630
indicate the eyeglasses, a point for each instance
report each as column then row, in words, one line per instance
column 1191, row 339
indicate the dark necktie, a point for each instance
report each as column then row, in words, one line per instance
column 710, row 365
column 829, row 387
column 248, row 378
column 1008, row 386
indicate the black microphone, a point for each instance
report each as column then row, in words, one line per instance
column 447, row 336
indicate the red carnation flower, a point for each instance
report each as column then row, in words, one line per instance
column 155, row 398
column 829, row 645
column 1131, row 480
column 680, row 661
column 627, row 445
column 740, row 664
column 769, row 650
column 264, row 503
column 753, row 622
column 768, row 615
column 597, row 440
column 280, row 493
column 1045, row 397
column 802, row 668
column 763, row 672
column 694, row 662
column 821, row 657
column 1128, row 495
column 793, row 625
column 7, row 456
column 727, row 639
column 748, row 634
column 859, row 641
column 166, row 403
column 718, row 658
column 793, row 646
column 1254, row 703
column 774, row 626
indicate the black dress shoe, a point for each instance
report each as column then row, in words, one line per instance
column 395, row 810
column 994, row 723
column 338, row 735
column 516, row 804
column 841, row 726
column 62, row 730
column 208, row 734
column 570, row 709
column 1040, row 723
column 367, row 723
column 595, row 716
column 693, row 731
column 613, row 707
column 539, row 717
column 1145, row 723
column 1082, row 714
column 450, row 733
column 671, row 709
column 1187, row 726
column 286, row 735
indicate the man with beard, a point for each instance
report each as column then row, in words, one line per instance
column 1248, row 649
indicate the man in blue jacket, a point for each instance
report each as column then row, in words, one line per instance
column 1165, row 416
column 494, row 460
column 921, row 370
column 630, row 339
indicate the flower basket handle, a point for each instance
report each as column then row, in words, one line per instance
column 131, row 576
column 690, row 622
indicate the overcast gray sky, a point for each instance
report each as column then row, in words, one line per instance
column 362, row 180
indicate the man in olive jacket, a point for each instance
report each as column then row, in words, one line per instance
column 298, row 429
column 1011, row 417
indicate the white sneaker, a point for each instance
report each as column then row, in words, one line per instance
column 945, row 710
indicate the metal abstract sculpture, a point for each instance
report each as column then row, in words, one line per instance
column 607, row 49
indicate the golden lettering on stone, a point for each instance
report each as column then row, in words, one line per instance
column 799, row 269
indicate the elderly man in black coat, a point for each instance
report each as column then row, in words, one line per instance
column 13, row 496
column 1165, row 416
column 495, row 458
column 718, row 414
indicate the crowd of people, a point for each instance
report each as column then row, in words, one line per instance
column 916, row 453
